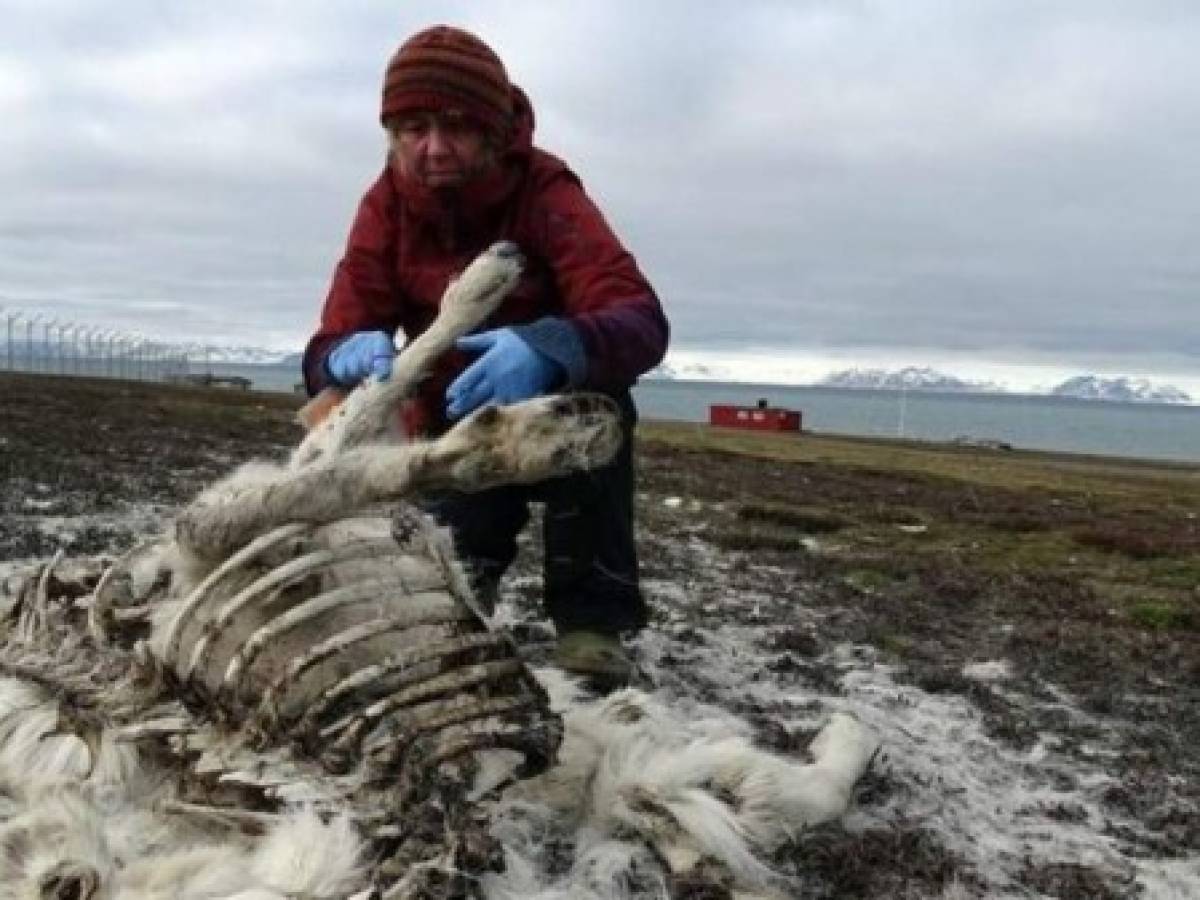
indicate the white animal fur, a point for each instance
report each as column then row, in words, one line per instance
column 520, row 443
column 69, row 845
column 628, row 762
column 80, row 825
column 31, row 744
column 368, row 414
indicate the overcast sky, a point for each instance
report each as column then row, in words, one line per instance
column 975, row 185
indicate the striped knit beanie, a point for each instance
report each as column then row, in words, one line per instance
column 443, row 67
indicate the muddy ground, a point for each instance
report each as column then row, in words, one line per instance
column 1022, row 629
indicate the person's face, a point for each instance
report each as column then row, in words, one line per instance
column 439, row 149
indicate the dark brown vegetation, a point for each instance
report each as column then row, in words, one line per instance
column 1091, row 566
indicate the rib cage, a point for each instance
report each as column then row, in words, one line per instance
column 339, row 641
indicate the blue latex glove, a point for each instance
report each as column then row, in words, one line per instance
column 510, row 370
column 362, row 354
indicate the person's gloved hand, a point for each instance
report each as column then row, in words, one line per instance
column 362, row 354
column 509, row 370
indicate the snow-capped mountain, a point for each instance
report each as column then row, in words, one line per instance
column 690, row 372
column 237, row 355
column 911, row 378
column 1121, row 389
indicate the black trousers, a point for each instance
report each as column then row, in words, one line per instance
column 590, row 574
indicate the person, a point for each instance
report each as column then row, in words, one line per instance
column 461, row 173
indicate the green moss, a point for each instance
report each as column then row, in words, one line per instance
column 1181, row 574
column 897, row 645
column 1158, row 615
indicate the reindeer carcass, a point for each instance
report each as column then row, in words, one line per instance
column 295, row 694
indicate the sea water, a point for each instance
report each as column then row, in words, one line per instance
column 1035, row 422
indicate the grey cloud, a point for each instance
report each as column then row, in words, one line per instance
column 1014, row 179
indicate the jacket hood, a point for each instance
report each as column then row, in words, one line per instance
column 521, row 143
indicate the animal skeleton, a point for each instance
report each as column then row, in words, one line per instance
column 290, row 696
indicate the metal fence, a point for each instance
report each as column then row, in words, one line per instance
column 32, row 342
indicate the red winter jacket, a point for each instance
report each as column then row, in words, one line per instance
column 406, row 245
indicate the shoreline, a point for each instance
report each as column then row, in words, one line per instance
column 966, row 445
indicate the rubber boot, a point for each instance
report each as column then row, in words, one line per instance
column 598, row 658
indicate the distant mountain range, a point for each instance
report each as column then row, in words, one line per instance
column 920, row 378
column 911, row 378
column 690, row 372
column 1082, row 387
column 1126, row 390
column 243, row 356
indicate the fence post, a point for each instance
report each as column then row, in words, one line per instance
column 12, row 318
column 29, row 366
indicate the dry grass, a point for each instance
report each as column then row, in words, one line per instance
column 905, row 517
column 1175, row 483
column 1135, row 544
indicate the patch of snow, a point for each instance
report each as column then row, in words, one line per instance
column 109, row 532
column 991, row 670
column 1168, row 879
column 989, row 802
column 983, row 798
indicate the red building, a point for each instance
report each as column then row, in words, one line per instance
column 757, row 418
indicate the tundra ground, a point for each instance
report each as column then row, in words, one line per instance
column 1022, row 629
